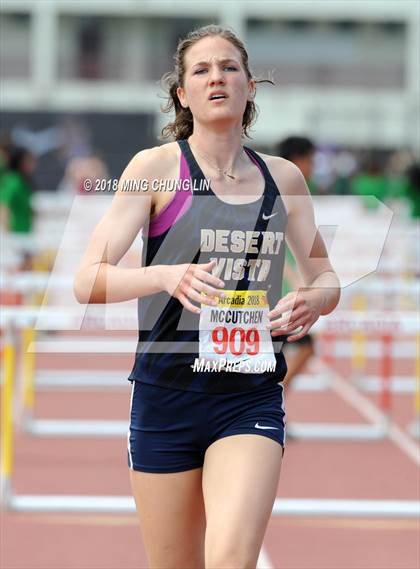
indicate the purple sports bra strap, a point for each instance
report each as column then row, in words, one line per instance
column 177, row 206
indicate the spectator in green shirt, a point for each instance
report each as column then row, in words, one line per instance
column 371, row 183
column 413, row 189
column 16, row 213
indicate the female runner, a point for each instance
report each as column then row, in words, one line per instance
column 207, row 434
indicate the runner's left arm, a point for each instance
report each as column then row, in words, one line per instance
column 321, row 291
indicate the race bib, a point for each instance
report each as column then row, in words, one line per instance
column 233, row 334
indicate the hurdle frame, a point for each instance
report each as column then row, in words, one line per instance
column 125, row 504
column 356, row 432
column 314, row 431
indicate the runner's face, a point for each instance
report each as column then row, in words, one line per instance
column 214, row 64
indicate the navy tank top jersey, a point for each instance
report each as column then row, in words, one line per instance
column 227, row 347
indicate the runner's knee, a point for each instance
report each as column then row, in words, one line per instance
column 231, row 558
column 225, row 552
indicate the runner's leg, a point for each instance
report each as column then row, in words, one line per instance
column 172, row 519
column 240, row 479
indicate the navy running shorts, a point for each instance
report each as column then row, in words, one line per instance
column 171, row 429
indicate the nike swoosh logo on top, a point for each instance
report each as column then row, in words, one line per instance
column 265, row 217
column 257, row 426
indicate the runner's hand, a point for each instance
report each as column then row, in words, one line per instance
column 298, row 309
column 187, row 282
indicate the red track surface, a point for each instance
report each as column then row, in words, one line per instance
column 342, row 470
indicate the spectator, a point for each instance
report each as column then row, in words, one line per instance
column 413, row 189
column 80, row 169
column 299, row 150
column 371, row 182
column 5, row 148
column 16, row 187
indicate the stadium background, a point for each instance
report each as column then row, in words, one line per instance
column 81, row 91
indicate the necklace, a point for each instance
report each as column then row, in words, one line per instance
column 220, row 170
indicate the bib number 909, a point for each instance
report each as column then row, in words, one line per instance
column 237, row 340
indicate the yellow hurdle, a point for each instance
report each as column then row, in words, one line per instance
column 358, row 338
column 414, row 427
column 9, row 366
column 417, row 395
column 28, row 370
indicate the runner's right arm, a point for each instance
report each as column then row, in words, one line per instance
column 100, row 280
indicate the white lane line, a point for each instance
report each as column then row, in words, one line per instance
column 264, row 561
column 372, row 413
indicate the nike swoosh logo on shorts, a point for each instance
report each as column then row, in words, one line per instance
column 265, row 217
column 257, row 426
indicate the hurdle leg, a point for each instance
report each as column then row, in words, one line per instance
column 358, row 341
column 414, row 427
column 9, row 368
column 28, row 355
